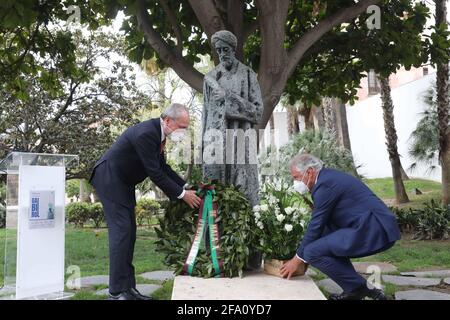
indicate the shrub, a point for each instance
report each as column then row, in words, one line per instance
column 433, row 221
column 145, row 209
column 2, row 216
column 78, row 213
column 407, row 219
column 96, row 214
column 318, row 143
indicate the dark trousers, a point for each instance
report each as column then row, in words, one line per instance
column 338, row 268
column 121, row 223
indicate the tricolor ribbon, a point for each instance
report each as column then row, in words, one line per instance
column 207, row 217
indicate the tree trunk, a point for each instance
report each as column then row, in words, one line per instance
column 84, row 196
column 292, row 120
column 272, row 133
column 443, row 89
column 342, row 125
column 305, row 112
column 404, row 174
column 391, row 141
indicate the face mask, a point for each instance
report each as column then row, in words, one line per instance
column 300, row 186
column 177, row 135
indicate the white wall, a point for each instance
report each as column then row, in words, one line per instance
column 366, row 128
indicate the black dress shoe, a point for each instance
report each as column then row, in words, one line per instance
column 138, row 295
column 375, row 294
column 126, row 295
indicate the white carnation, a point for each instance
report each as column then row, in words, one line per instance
column 257, row 215
column 260, row 225
column 256, row 208
column 281, row 217
column 288, row 227
column 264, row 207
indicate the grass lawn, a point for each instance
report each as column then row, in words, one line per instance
column 384, row 188
column 88, row 249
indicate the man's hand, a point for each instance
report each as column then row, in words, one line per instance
column 192, row 199
column 289, row 267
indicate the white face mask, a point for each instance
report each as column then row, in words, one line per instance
column 300, row 186
column 177, row 135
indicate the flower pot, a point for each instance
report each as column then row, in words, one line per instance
column 272, row 267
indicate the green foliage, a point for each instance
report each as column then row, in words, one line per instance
column 237, row 233
column 96, row 214
column 2, row 216
column 424, row 147
column 146, row 209
column 281, row 220
column 427, row 223
column 85, row 115
column 433, row 221
column 319, row 143
column 78, row 213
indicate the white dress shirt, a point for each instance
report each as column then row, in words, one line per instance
column 163, row 137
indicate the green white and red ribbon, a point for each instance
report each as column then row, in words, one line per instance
column 207, row 222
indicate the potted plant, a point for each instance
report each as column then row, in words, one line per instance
column 281, row 220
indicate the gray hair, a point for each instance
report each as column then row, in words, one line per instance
column 174, row 111
column 303, row 161
column 226, row 36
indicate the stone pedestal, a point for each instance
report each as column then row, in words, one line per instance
column 254, row 285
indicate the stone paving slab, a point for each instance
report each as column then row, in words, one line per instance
column 421, row 295
column 447, row 280
column 330, row 286
column 252, row 286
column 158, row 275
column 411, row 281
column 145, row 289
column 431, row 273
column 368, row 267
column 94, row 280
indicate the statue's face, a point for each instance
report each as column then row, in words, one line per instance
column 226, row 53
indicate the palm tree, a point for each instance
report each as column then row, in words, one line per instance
column 443, row 105
column 391, row 140
column 424, row 139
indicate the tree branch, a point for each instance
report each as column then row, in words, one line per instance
column 175, row 26
column 184, row 70
column 208, row 16
column 313, row 35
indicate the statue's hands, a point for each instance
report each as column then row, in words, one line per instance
column 219, row 94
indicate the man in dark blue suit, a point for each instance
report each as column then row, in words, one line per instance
column 348, row 221
column 137, row 154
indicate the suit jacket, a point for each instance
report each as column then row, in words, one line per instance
column 134, row 156
column 342, row 202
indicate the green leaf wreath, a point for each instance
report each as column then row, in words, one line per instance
column 237, row 233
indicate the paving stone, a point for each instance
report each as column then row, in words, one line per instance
column 94, row 280
column 411, row 281
column 311, row 272
column 158, row 275
column 330, row 286
column 431, row 273
column 420, row 294
column 145, row 289
column 255, row 285
column 447, row 280
column 368, row 267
